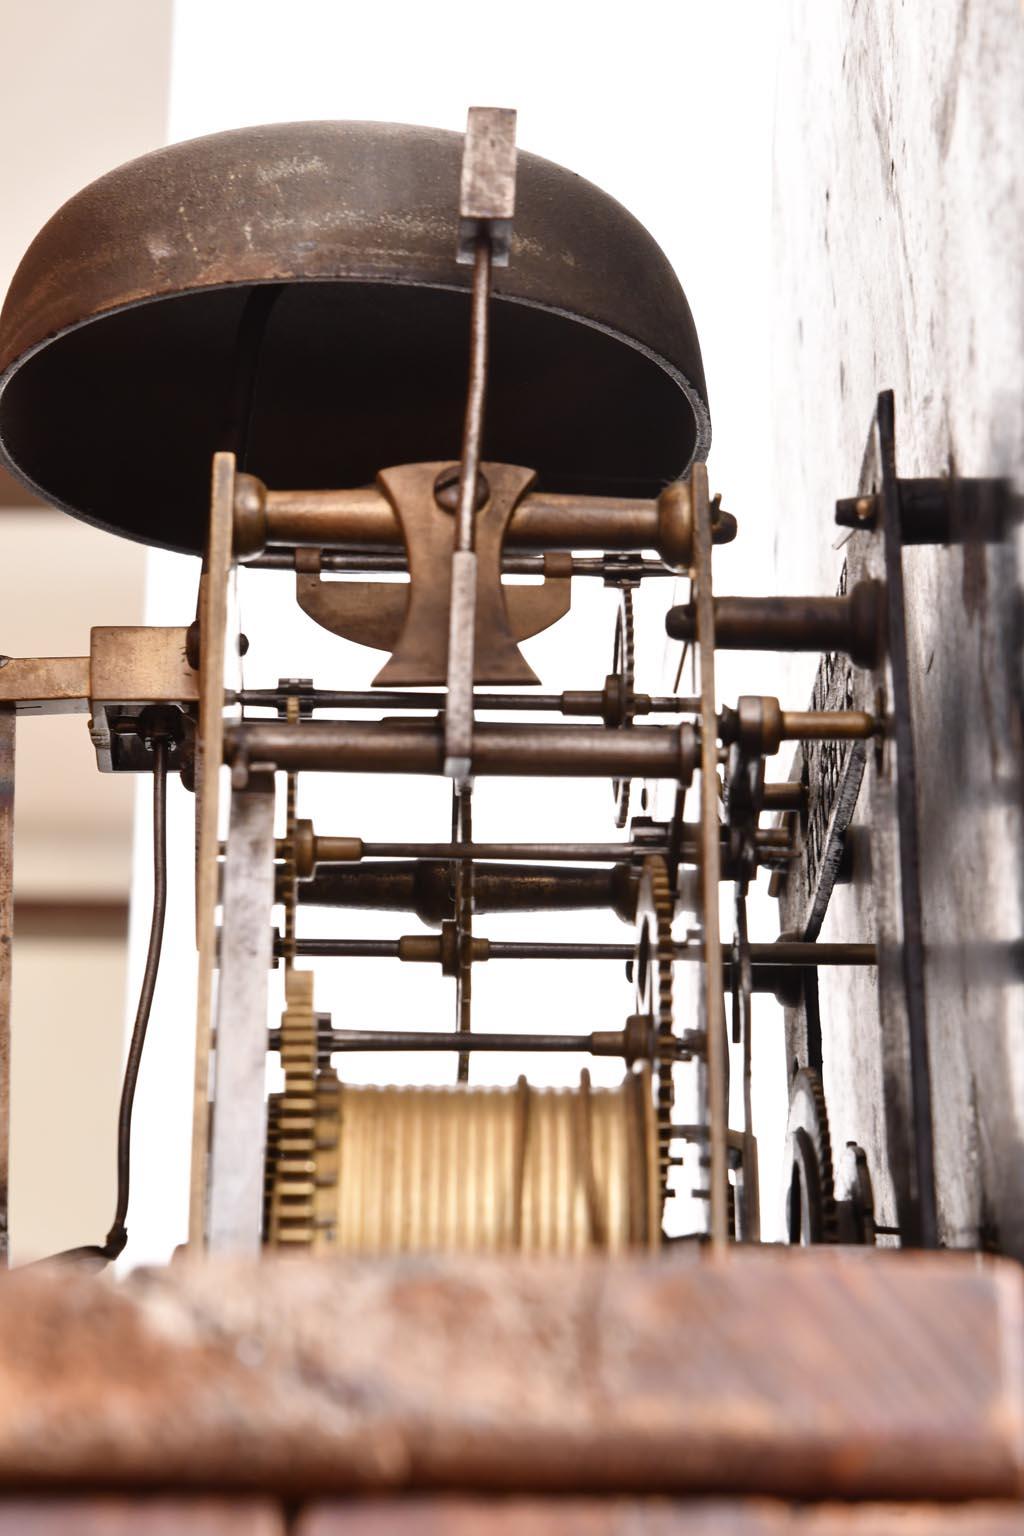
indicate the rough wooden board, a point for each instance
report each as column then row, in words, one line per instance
column 797, row 1374
column 447, row 1515
column 102, row 1516
column 653, row 1517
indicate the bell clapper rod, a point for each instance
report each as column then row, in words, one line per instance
column 486, row 205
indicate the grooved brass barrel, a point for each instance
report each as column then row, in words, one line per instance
column 563, row 1171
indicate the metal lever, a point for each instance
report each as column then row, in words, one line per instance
column 486, row 205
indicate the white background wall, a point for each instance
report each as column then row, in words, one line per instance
column 83, row 88
column 668, row 106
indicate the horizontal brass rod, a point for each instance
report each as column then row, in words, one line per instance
column 417, row 746
column 761, row 725
column 827, row 725
column 366, row 517
column 785, row 797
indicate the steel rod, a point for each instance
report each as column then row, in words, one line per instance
column 361, row 949
column 577, row 853
column 458, row 715
column 357, row 561
column 476, row 395
column 443, row 1040
column 792, row 954
column 462, row 882
column 329, row 850
column 326, row 698
column 518, row 949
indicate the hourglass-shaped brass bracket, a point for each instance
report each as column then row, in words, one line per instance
column 410, row 619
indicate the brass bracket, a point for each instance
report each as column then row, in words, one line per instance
column 410, row 619
column 127, row 667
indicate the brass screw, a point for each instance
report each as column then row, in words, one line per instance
column 446, row 488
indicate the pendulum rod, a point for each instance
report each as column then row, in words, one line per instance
column 462, row 881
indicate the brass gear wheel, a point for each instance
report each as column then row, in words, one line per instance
column 652, row 979
column 302, row 1131
column 811, row 1215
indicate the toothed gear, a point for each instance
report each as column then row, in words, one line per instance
column 652, row 976
column 811, row 1215
column 623, row 661
column 301, row 1129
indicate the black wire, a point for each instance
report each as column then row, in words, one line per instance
column 117, row 1237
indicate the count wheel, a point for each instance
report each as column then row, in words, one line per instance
column 810, row 1188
